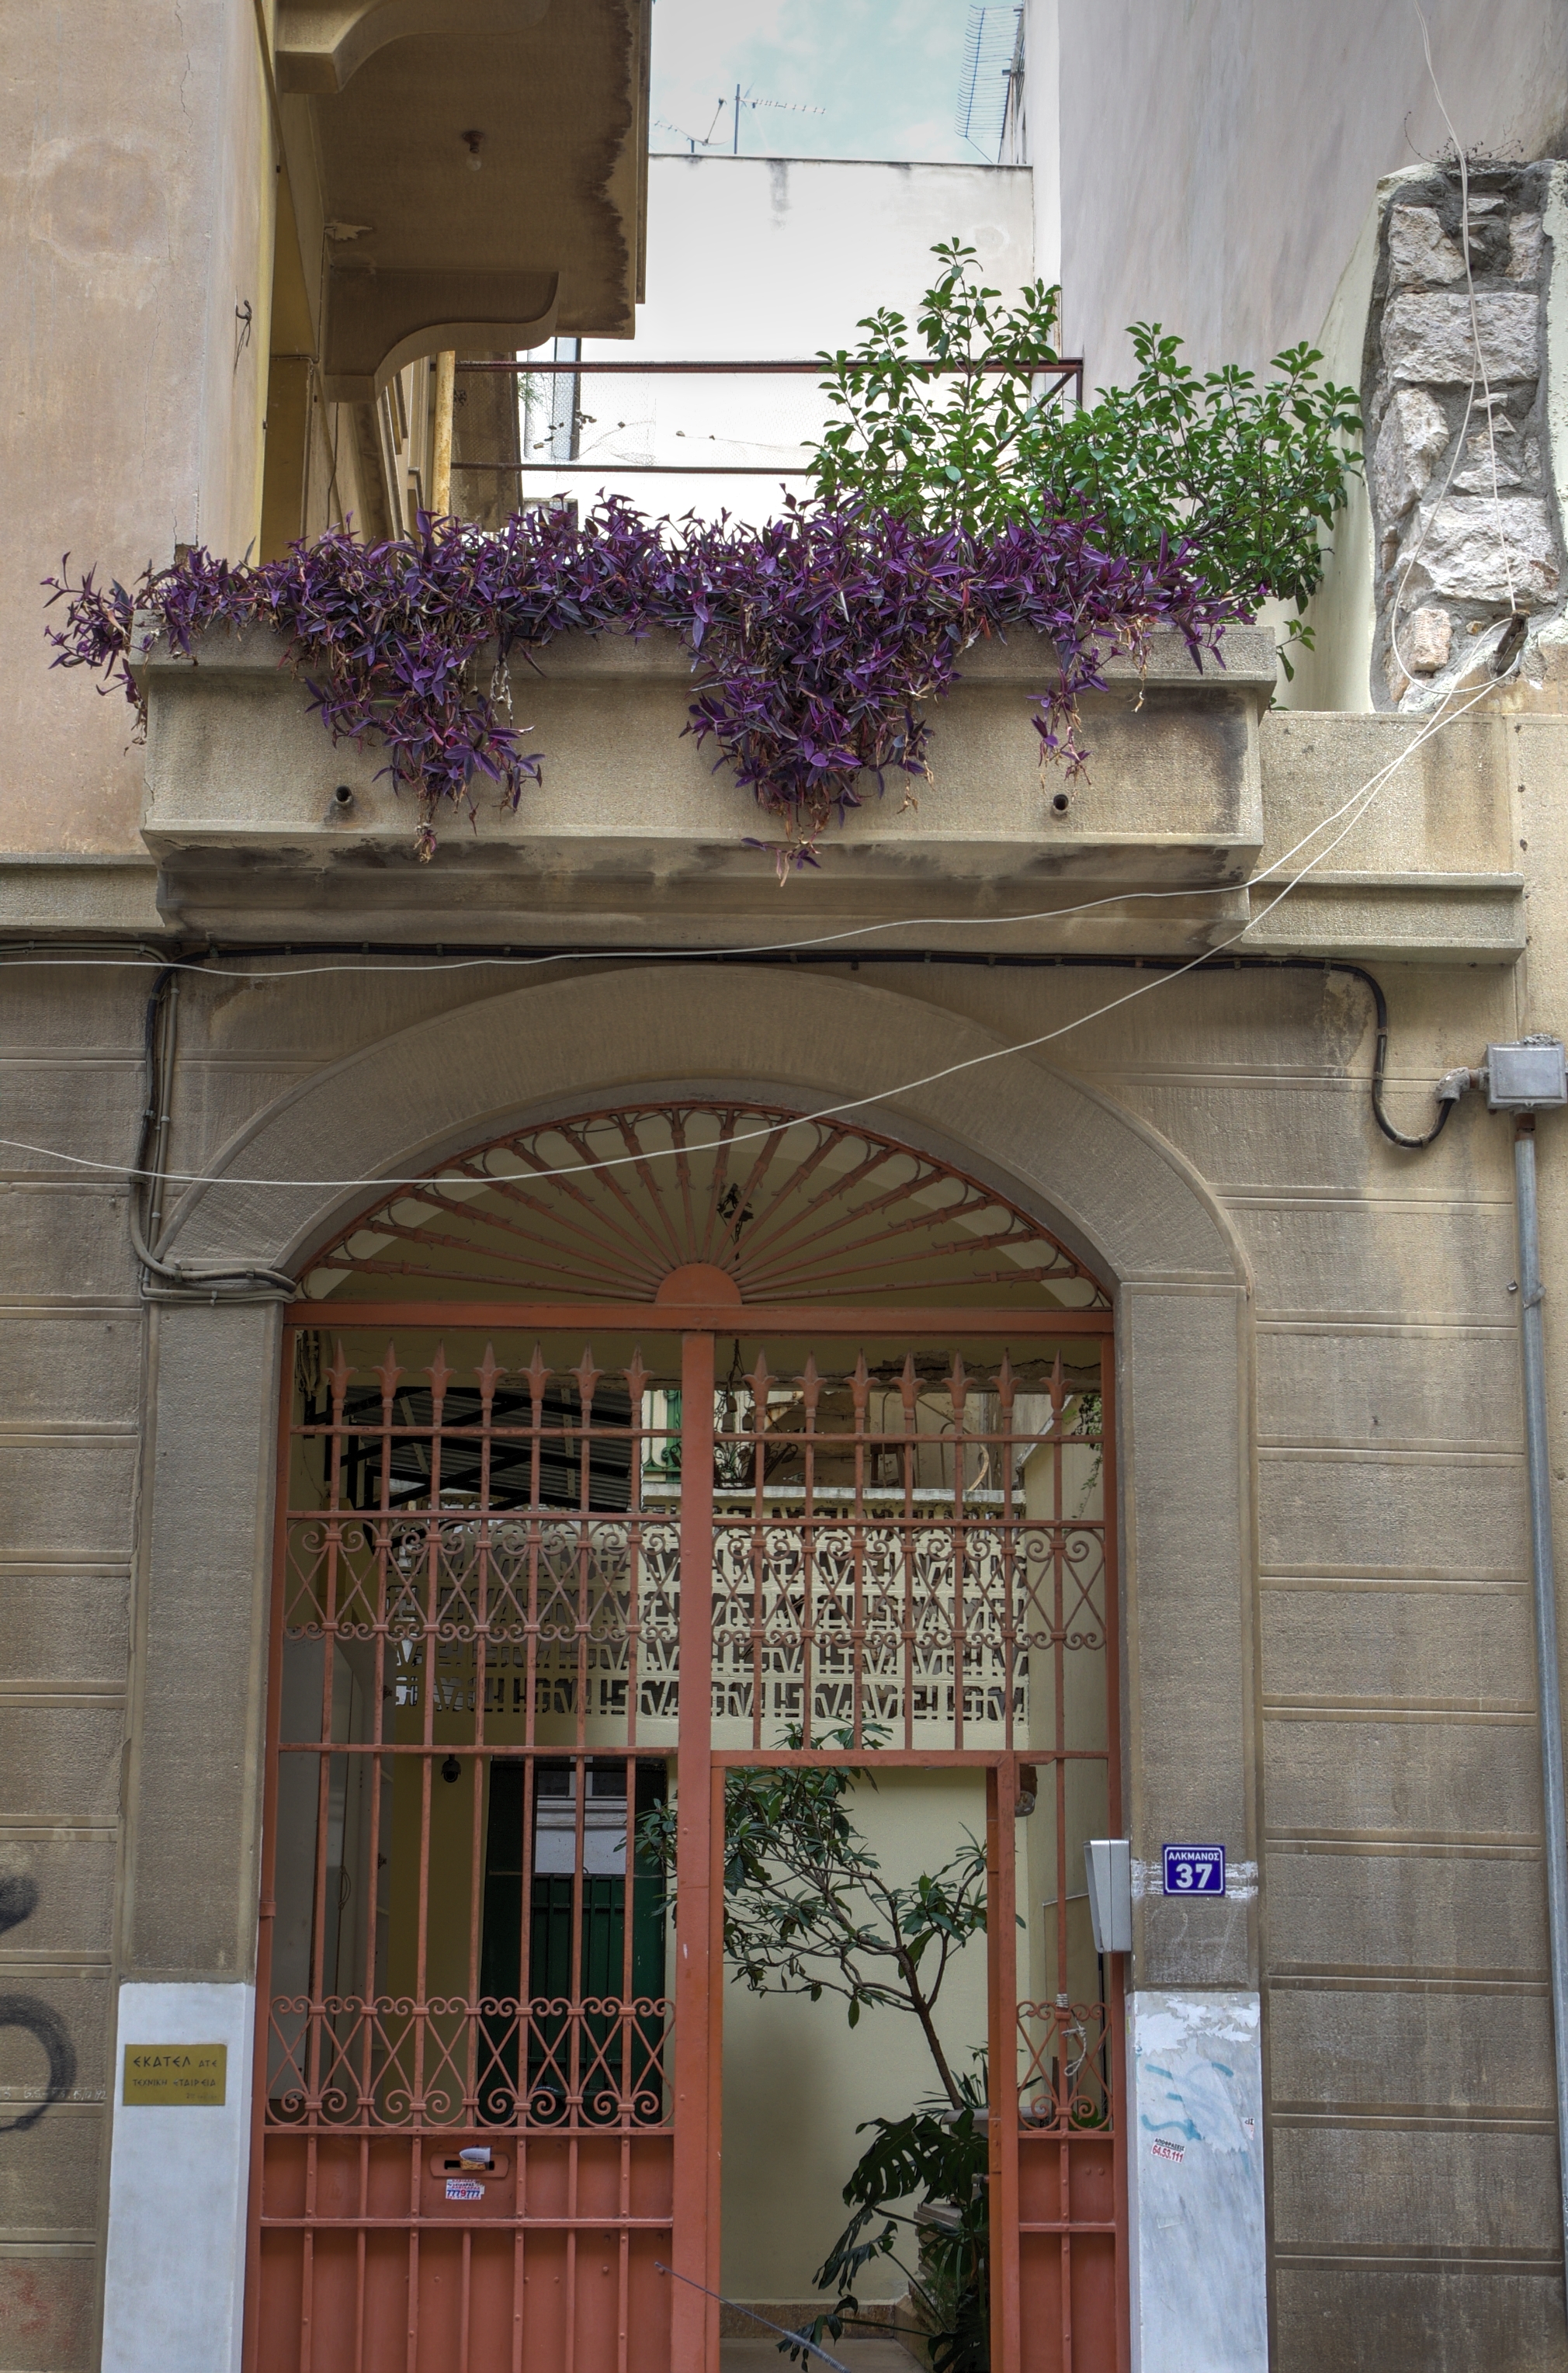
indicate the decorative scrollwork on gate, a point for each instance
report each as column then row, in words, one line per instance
column 926, row 1617
column 397, row 2064
column 1066, row 2084
column 564, row 1604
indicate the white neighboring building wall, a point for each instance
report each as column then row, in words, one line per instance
column 1210, row 166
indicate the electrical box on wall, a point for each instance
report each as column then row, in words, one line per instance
column 1522, row 1076
column 1108, row 1862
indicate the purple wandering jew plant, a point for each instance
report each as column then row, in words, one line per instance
column 817, row 642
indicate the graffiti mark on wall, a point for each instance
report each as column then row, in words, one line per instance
column 18, row 1901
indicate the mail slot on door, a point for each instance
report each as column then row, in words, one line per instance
column 467, row 2178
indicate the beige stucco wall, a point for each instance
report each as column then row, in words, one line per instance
column 129, row 235
column 68, row 1469
column 1318, row 1339
column 1328, row 1637
column 1382, row 1614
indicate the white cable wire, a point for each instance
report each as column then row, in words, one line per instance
column 857, row 931
column 1368, row 794
column 1475, row 315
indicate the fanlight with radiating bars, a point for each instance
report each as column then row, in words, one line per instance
column 605, row 1206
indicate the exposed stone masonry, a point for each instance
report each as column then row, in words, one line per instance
column 1457, row 556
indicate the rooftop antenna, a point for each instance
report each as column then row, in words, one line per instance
column 990, row 79
column 743, row 98
column 694, row 140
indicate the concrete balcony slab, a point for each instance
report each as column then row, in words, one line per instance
column 1199, row 806
column 635, row 837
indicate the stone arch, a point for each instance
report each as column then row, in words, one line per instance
column 1100, row 1179
column 1110, row 1185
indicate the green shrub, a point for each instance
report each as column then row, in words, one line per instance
column 1249, row 474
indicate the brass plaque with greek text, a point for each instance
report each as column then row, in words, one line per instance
column 175, row 2076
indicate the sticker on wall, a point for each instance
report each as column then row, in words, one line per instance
column 175, row 2077
column 463, row 2187
column 1167, row 2150
column 1195, row 1870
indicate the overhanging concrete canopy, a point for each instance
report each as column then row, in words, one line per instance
column 423, row 252
column 319, row 48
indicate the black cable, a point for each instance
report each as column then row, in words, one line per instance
column 209, row 1280
column 1380, row 1053
column 970, row 956
column 210, row 951
column 149, row 1113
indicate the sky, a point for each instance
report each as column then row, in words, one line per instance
column 884, row 74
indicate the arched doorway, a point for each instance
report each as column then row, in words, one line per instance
column 526, row 1399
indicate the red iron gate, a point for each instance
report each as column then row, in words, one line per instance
column 487, row 2075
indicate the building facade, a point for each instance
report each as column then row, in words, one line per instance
column 1015, row 1268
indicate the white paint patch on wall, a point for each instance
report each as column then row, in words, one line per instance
column 178, row 2181
column 1241, row 1880
column 1195, row 2128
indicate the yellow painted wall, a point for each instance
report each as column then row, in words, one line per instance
column 798, row 2079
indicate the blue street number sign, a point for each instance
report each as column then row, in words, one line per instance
column 1195, row 1870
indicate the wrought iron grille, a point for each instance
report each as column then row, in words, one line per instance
column 603, row 1205
column 888, row 1561
column 818, row 1465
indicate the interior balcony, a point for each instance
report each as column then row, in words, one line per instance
column 456, row 175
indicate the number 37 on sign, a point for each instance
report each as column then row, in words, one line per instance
column 1195, row 1870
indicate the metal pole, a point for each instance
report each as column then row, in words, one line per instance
column 441, row 444
column 1543, row 1580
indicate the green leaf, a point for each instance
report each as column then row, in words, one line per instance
column 1247, row 475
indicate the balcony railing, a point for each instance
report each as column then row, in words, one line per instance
column 633, row 419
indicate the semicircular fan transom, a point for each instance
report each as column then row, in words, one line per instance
column 603, row 1207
